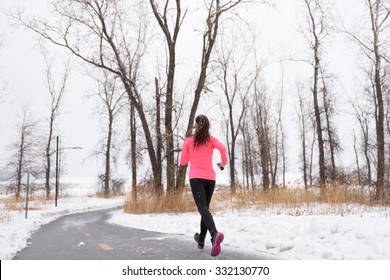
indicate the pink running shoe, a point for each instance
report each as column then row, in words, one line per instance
column 216, row 241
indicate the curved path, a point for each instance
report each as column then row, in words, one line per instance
column 88, row 236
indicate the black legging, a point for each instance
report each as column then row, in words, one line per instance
column 202, row 191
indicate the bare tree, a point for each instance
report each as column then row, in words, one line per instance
column 159, row 135
column 303, row 131
column 364, row 118
column 56, row 93
column 235, row 86
column 315, row 37
column 133, row 150
column 374, row 47
column 263, row 137
column 23, row 157
column 111, row 96
column 329, row 127
column 99, row 33
column 249, row 158
column 215, row 12
column 379, row 16
column 171, row 36
column 317, row 29
column 387, row 123
column 279, row 139
column 261, row 120
column 355, row 148
column 307, row 134
column 268, row 128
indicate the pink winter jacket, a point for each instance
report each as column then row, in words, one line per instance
column 200, row 158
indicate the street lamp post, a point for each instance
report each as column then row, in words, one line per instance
column 57, row 168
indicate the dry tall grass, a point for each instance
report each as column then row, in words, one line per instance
column 37, row 203
column 333, row 199
column 151, row 202
column 295, row 197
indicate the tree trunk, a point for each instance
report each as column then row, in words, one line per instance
column 304, row 161
column 108, row 156
column 245, row 160
column 264, row 165
column 19, row 175
column 232, row 155
column 316, row 30
column 380, row 135
column 317, row 114
column 303, row 142
column 48, row 162
column 368, row 161
column 311, row 159
column 263, row 148
column 171, row 43
column 133, row 147
column 158, row 126
column 168, row 123
column 357, row 159
column 332, row 141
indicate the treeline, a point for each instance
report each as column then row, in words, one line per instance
column 117, row 40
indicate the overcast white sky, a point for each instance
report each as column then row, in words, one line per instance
column 22, row 66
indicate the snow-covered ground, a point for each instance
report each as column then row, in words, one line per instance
column 355, row 236
column 280, row 233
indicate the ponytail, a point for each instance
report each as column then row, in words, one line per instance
column 202, row 134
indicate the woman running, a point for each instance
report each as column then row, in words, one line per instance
column 198, row 151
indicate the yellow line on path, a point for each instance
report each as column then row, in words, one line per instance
column 105, row 247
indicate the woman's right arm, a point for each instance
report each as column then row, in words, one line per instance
column 222, row 149
column 185, row 156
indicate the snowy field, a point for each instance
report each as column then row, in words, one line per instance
column 277, row 232
column 309, row 237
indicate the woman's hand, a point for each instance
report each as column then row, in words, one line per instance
column 221, row 166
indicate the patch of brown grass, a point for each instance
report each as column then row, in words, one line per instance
column 337, row 194
column 152, row 202
column 13, row 204
column 103, row 195
column 37, row 203
column 288, row 197
column 333, row 199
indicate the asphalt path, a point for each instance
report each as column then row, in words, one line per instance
column 88, row 236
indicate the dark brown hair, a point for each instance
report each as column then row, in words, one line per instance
column 202, row 134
